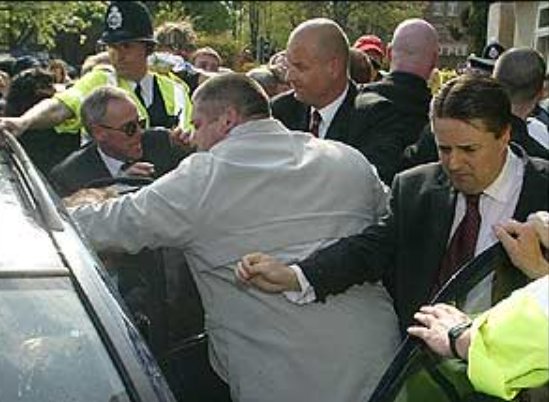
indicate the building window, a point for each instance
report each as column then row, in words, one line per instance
column 543, row 17
column 438, row 8
column 452, row 8
column 542, row 29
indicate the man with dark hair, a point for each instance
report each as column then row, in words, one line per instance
column 128, row 35
column 522, row 71
column 47, row 147
column 441, row 214
column 121, row 146
column 253, row 183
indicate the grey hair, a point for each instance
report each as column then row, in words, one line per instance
column 94, row 107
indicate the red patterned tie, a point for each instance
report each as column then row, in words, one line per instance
column 462, row 246
column 314, row 125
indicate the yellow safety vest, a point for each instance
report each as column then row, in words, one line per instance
column 510, row 342
column 175, row 95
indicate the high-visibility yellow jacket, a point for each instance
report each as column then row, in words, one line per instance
column 509, row 343
column 175, row 95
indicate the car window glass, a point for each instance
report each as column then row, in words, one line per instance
column 50, row 349
column 417, row 374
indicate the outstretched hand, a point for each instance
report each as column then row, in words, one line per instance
column 14, row 125
column 266, row 273
column 140, row 168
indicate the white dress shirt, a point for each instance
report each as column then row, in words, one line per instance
column 146, row 89
column 113, row 165
column 328, row 112
column 538, row 131
column 496, row 204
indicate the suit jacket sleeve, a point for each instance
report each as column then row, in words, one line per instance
column 366, row 256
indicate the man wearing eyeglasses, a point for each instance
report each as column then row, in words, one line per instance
column 121, row 146
column 129, row 38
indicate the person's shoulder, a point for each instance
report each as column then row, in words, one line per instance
column 170, row 79
column 75, row 158
column 339, row 152
column 372, row 101
column 533, row 162
column 424, row 174
column 540, row 165
column 285, row 98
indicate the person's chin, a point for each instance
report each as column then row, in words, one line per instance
column 464, row 184
column 137, row 154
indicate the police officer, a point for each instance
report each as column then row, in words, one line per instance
column 128, row 35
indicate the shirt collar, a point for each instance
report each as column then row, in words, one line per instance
column 501, row 188
column 328, row 112
column 146, row 88
column 113, row 165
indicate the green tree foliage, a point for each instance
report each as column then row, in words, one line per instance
column 207, row 16
column 39, row 22
column 244, row 24
column 275, row 20
column 475, row 19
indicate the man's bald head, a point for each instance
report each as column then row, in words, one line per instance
column 318, row 62
column 414, row 47
column 324, row 37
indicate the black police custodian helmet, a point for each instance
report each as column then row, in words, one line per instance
column 127, row 21
column 490, row 54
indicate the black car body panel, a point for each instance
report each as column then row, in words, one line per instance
column 66, row 337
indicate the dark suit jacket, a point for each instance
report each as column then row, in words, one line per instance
column 85, row 165
column 410, row 98
column 367, row 122
column 406, row 247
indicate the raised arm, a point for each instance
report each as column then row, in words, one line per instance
column 45, row 114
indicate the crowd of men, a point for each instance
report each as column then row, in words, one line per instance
column 317, row 210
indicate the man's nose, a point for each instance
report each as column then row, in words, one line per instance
column 454, row 161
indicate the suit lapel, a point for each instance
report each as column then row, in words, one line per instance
column 443, row 201
column 93, row 166
column 533, row 194
column 341, row 123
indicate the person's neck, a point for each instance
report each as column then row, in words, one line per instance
column 411, row 68
column 522, row 110
column 137, row 76
column 331, row 97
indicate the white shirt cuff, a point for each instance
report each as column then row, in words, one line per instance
column 307, row 293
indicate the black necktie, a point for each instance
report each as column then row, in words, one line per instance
column 137, row 91
column 462, row 246
column 314, row 125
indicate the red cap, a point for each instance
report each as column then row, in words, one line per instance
column 370, row 42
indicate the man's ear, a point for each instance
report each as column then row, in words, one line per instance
column 389, row 52
column 231, row 118
column 98, row 134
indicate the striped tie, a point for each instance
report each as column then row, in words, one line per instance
column 462, row 246
column 314, row 125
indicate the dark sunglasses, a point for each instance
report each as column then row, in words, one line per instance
column 130, row 128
